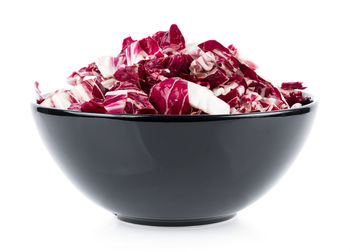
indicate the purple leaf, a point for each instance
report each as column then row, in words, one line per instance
column 170, row 41
column 128, row 74
column 108, row 65
column 207, row 69
column 93, row 106
column 86, row 91
column 292, row 85
column 90, row 71
column 127, row 98
column 170, row 97
column 39, row 97
column 229, row 91
column 60, row 99
column 156, row 70
column 213, row 46
column 176, row 96
column 143, row 49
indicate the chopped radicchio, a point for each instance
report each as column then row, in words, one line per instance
column 156, row 70
column 292, row 92
column 60, row 99
column 94, row 105
column 143, row 49
column 127, row 73
column 170, row 97
column 39, row 97
column 170, row 41
column 127, row 98
column 108, row 65
column 175, row 96
column 160, row 74
column 86, row 91
column 90, row 71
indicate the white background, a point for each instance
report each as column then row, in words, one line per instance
column 308, row 210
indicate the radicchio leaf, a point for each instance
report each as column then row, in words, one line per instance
column 39, row 97
column 93, row 106
column 126, row 42
column 108, row 65
column 143, row 49
column 292, row 85
column 109, row 83
column 292, row 92
column 127, row 74
column 60, row 99
column 214, row 46
column 127, row 98
column 193, row 50
column 206, row 69
column 170, row 41
column 176, row 96
column 156, row 70
column 204, row 99
column 90, row 71
column 229, row 91
column 170, row 97
column 86, row 91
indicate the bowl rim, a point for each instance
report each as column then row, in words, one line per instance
column 178, row 118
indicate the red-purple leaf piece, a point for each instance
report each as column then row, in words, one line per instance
column 176, row 96
column 293, row 94
column 126, row 42
column 108, row 65
column 90, row 71
column 170, row 41
column 39, row 97
column 206, row 69
column 86, row 91
column 170, row 97
column 292, row 85
column 127, row 98
column 93, row 106
column 60, row 99
column 213, row 46
column 156, row 70
column 229, row 91
column 109, row 83
column 127, row 74
column 143, row 49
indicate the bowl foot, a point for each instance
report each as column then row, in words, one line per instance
column 174, row 223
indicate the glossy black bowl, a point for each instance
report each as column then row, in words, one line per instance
column 174, row 170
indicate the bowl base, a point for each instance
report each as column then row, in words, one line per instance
column 174, row 223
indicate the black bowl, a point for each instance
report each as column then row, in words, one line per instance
column 174, row 170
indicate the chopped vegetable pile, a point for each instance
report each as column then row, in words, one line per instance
column 161, row 75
